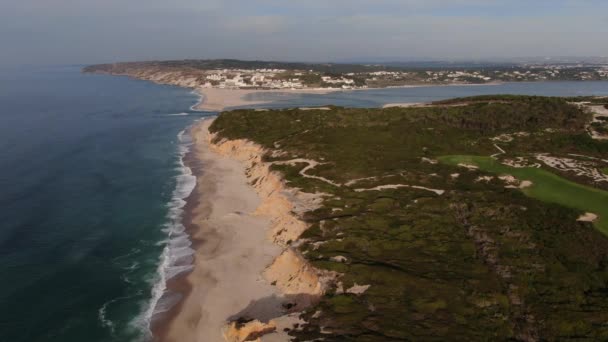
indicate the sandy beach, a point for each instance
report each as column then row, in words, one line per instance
column 216, row 99
column 244, row 270
column 403, row 105
column 231, row 249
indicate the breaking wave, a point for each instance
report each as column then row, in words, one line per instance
column 177, row 256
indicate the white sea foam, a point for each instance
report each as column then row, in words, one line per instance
column 126, row 279
column 102, row 313
column 130, row 270
column 102, row 316
column 200, row 99
column 132, row 267
column 132, row 252
column 177, row 256
column 178, row 114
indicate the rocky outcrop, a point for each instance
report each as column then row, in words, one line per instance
column 296, row 279
column 248, row 331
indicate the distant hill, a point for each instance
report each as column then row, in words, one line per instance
column 239, row 64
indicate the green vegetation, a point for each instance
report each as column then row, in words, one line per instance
column 546, row 186
column 479, row 262
column 509, row 98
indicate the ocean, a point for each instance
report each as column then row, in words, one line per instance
column 92, row 186
column 92, row 182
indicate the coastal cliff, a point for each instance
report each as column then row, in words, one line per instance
column 274, row 75
column 431, row 230
column 327, row 223
column 279, row 202
column 299, row 283
column 213, row 99
column 157, row 73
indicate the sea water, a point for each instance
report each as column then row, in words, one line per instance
column 379, row 97
column 92, row 190
column 92, row 185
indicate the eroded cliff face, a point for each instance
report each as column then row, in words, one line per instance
column 293, row 275
column 248, row 331
column 300, row 283
column 279, row 203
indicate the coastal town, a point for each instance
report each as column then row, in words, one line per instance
column 232, row 74
column 269, row 79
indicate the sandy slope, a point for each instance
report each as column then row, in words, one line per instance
column 242, row 221
column 233, row 252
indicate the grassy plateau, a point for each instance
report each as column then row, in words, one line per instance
column 546, row 186
column 449, row 253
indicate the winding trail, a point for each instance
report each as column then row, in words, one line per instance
column 313, row 163
column 499, row 149
column 588, row 157
column 397, row 186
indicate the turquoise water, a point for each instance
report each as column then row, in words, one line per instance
column 91, row 189
column 89, row 167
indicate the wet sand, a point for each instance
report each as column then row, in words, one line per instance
column 216, row 99
column 231, row 249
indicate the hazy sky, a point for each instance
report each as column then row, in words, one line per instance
column 91, row 31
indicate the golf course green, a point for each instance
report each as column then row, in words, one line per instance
column 546, row 186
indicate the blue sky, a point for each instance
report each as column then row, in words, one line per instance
column 91, row 31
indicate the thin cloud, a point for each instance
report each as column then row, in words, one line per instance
column 90, row 31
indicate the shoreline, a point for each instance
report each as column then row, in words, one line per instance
column 217, row 207
column 217, row 100
column 177, row 256
column 179, row 284
column 170, row 325
column 246, row 280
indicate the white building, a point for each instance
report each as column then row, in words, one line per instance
column 257, row 78
column 214, row 77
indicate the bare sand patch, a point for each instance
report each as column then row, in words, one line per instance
column 587, row 217
column 404, row 105
column 217, row 99
column 525, row 184
column 314, row 108
column 358, row 289
column 468, row 166
column 578, row 167
column 397, row 186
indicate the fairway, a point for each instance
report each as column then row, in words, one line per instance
column 546, row 187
